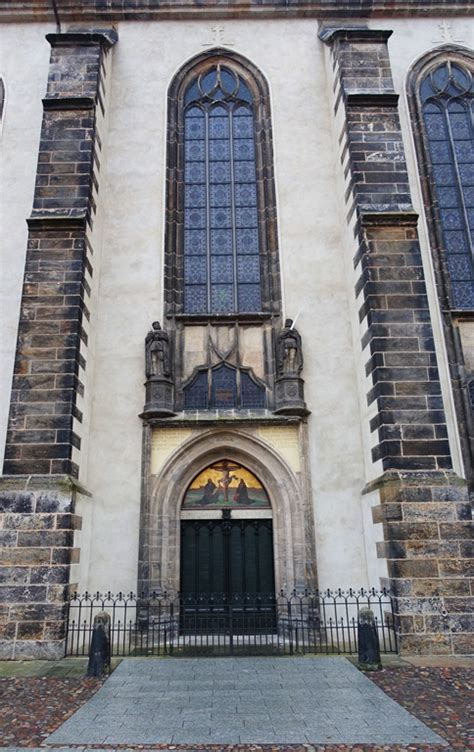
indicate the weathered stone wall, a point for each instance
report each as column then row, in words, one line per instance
column 428, row 546
column 37, row 492
column 37, row 550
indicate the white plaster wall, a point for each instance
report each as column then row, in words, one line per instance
column 24, row 57
column 145, row 60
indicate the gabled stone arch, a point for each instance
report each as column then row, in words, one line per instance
column 293, row 535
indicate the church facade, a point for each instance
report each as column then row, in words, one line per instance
column 238, row 289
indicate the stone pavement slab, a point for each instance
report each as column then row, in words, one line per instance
column 259, row 700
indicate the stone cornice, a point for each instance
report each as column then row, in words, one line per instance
column 329, row 33
column 83, row 38
column 74, row 11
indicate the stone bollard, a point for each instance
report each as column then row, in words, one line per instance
column 99, row 651
column 368, row 641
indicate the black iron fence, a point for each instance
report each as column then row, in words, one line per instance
column 217, row 624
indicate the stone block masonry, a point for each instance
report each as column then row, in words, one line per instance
column 43, row 448
column 427, row 525
column 423, row 506
column 36, row 552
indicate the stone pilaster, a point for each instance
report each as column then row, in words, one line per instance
column 423, row 506
column 43, row 448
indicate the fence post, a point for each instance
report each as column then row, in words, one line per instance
column 290, row 626
column 231, row 629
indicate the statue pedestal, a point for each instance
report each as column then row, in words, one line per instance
column 289, row 396
column 159, row 398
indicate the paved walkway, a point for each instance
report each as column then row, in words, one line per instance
column 240, row 700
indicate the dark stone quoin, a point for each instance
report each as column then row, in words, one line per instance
column 39, row 489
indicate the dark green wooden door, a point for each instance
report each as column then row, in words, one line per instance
column 227, row 578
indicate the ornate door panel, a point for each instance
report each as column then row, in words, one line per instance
column 227, row 578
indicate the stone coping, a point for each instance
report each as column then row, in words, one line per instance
column 144, row 10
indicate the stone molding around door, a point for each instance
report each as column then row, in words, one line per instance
column 289, row 493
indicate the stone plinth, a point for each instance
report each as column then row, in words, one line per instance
column 37, row 520
column 427, row 524
column 159, row 398
column 289, row 396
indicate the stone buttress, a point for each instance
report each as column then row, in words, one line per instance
column 39, row 489
column 422, row 504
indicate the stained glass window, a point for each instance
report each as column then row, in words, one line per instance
column 447, row 96
column 223, row 388
column 252, row 395
column 221, row 239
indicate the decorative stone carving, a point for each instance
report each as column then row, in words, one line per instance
column 289, row 353
column 157, row 351
column 159, row 385
column 289, row 386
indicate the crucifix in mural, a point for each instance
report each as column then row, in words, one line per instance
column 226, row 484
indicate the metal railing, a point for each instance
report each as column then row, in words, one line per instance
column 218, row 624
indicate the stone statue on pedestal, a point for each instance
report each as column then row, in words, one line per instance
column 289, row 386
column 157, row 351
column 159, row 385
column 289, row 350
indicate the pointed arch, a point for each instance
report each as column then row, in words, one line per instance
column 229, row 264
column 294, row 555
column 441, row 97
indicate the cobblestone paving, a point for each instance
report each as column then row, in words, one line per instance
column 243, row 700
column 31, row 707
column 443, row 698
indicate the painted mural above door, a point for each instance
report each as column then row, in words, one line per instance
column 226, row 484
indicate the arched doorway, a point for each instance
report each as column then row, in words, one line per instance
column 163, row 508
column 226, row 535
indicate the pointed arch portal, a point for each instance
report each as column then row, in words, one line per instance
column 226, row 535
column 226, row 483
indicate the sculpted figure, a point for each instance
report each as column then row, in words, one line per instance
column 157, row 352
column 289, row 351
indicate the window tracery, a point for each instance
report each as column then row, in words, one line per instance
column 221, row 240
column 447, row 101
column 221, row 243
column 224, row 388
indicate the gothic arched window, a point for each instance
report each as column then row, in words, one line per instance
column 446, row 99
column 221, row 233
